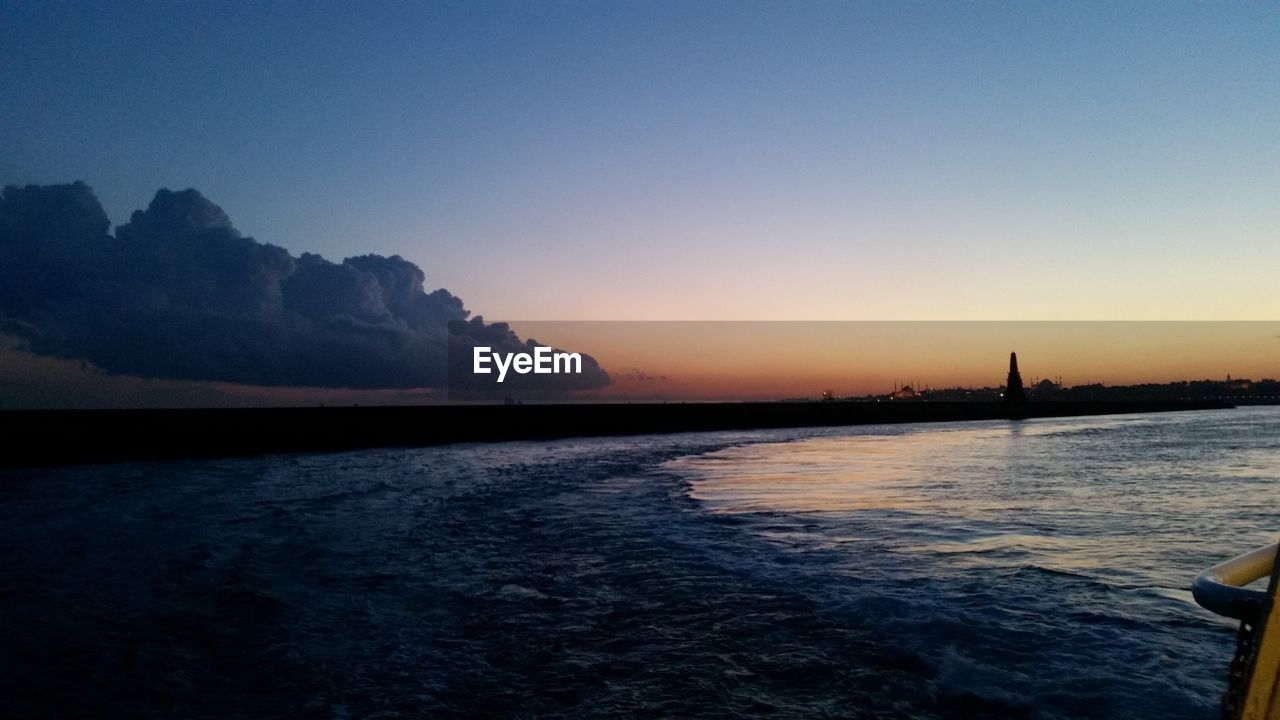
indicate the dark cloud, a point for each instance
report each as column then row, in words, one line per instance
column 179, row 293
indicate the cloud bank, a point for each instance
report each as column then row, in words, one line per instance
column 178, row 293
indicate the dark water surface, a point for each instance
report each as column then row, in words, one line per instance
column 994, row 569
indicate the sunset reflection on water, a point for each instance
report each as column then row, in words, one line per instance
column 1116, row 495
column 1027, row 557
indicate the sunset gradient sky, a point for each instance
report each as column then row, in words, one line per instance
column 770, row 360
column 705, row 160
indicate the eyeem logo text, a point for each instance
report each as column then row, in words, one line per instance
column 543, row 361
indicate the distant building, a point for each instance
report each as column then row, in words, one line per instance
column 1014, row 396
column 1046, row 389
column 906, row 392
column 1238, row 384
column 1013, row 386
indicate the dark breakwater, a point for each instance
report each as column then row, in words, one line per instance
column 66, row 437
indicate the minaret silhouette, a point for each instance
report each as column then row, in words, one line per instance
column 1014, row 396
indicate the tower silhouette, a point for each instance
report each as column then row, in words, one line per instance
column 1014, row 396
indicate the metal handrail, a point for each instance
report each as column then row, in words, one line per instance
column 1220, row 589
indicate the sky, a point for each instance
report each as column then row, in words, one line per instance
column 788, row 359
column 694, row 160
column 740, row 360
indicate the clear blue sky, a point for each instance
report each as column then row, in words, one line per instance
column 694, row 159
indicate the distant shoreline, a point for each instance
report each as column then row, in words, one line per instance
column 73, row 437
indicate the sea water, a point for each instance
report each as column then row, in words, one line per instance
column 990, row 569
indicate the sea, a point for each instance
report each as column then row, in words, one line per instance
column 1033, row 569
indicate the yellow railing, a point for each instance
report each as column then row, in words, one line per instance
column 1254, row 690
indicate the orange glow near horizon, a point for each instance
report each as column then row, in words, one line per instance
column 769, row 360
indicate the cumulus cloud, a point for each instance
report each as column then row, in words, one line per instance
column 177, row 292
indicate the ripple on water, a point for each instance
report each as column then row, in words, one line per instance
column 1025, row 559
column 958, row 570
